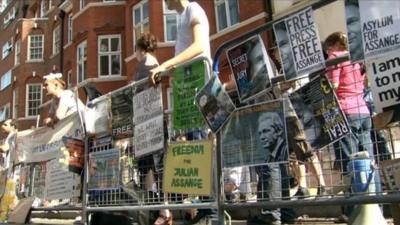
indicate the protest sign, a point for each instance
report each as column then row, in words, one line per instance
column 384, row 75
column 104, row 169
column 187, row 81
column 60, row 183
column 299, row 44
column 122, row 113
column 96, row 116
column 373, row 28
column 318, row 109
column 188, row 168
column 45, row 143
column 149, row 136
column 251, row 67
column 147, row 104
column 255, row 135
column 214, row 103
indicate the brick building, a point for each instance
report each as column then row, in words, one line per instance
column 92, row 41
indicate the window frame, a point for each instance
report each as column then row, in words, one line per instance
column 6, row 107
column 17, row 52
column 56, row 42
column 82, row 61
column 7, row 48
column 27, row 100
column 167, row 12
column 142, row 22
column 69, row 28
column 69, row 78
column 109, row 54
column 4, row 78
column 227, row 12
column 29, row 47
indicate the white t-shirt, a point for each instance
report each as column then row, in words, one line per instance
column 184, row 33
column 67, row 105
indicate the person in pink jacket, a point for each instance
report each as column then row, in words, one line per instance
column 347, row 80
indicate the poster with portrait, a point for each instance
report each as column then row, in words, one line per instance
column 384, row 76
column 188, row 79
column 122, row 113
column 299, row 44
column 373, row 28
column 318, row 109
column 214, row 103
column 251, row 67
column 104, row 169
column 255, row 135
column 147, row 104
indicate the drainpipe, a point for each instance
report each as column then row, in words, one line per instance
column 61, row 14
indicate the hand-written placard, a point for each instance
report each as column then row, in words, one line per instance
column 149, row 136
column 188, row 168
column 187, row 81
column 147, row 104
column 384, row 75
column 122, row 113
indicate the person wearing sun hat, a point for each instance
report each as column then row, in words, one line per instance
column 67, row 103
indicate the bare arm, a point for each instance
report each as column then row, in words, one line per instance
column 195, row 49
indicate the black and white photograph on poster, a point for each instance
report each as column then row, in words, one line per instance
column 149, row 136
column 255, row 135
column 318, row 109
column 380, row 26
column 147, row 104
column 353, row 25
column 122, row 113
column 251, row 67
column 299, row 44
column 214, row 103
column 384, row 76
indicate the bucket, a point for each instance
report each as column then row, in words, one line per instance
column 362, row 173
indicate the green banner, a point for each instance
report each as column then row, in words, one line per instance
column 187, row 80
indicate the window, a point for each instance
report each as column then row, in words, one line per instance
column 81, row 61
column 5, row 112
column 82, row 4
column 5, row 80
column 7, row 48
column 227, row 13
column 15, row 103
column 170, row 23
column 69, row 28
column 45, row 6
column 69, row 79
column 9, row 17
column 33, row 99
column 17, row 52
column 140, row 19
column 35, row 51
column 56, row 40
column 109, row 55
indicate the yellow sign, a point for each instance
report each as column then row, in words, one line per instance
column 188, row 168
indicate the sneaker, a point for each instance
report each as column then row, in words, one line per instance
column 302, row 193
